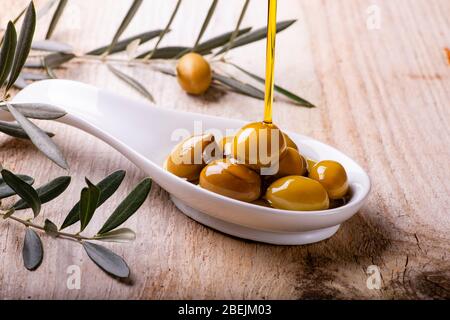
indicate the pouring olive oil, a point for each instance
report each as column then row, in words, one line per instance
column 296, row 183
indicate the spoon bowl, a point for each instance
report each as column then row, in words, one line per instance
column 144, row 134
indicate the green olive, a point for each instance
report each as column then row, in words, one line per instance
column 230, row 179
column 186, row 159
column 297, row 193
column 289, row 142
column 332, row 176
column 252, row 145
column 194, row 73
column 291, row 164
column 310, row 163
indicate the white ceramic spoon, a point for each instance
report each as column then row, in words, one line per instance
column 142, row 133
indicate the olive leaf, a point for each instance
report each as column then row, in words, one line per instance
column 239, row 86
column 41, row 111
column 133, row 83
column 128, row 206
column 205, row 24
column 7, row 52
column 33, row 76
column 122, row 45
column 255, row 35
column 39, row 138
column 88, row 203
column 125, row 22
column 108, row 186
column 23, row 190
column 302, row 102
column 56, row 16
column 121, row 235
column 32, row 252
column 166, row 29
column 54, row 60
column 51, row 46
column 235, row 33
column 107, row 260
column 16, row 131
column 164, row 53
column 9, row 212
column 23, row 44
column 208, row 45
column 7, row 191
column 47, row 192
column 50, row 228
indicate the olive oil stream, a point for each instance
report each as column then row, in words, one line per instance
column 270, row 60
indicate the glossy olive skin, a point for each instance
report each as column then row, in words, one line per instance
column 297, row 193
column 332, row 176
column 194, row 73
column 292, row 163
column 252, row 145
column 289, row 142
column 230, row 179
column 186, row 159
column 225, row 145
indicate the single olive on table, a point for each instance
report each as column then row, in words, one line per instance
column 194, row 73
column 234, row 171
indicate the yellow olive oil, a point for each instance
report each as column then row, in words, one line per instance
column 270, row 59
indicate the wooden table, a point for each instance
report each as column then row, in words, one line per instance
column 383, row 98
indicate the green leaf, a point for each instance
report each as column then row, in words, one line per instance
column 47, row 192
column 39, row 138
column 122, row 45
column 23, row 45
column 164, row 53
column 7, row 52
column 239, row 86
column 128, row 206
column 121, row 235
column 14, row 130
column 56, row 16
column 205, row 24
column 23, row 190
column 286, row 93
column 256, row 35
column 166, row 29
column 32, row 252
column 208, row 45
column 41, row 111
column 51, row 46
column 88, row 203
column 107, row 260
column 6, row 191
column 235, row 33
column 125, row 22
column 133, row 83
column 50, row 228
column 56, row 59
column 108, row 186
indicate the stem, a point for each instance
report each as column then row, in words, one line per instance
column 58, row 233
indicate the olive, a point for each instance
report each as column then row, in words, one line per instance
column 262, row 202
column 186, row 159
column 289, row 142
column 252, row 145
column 231, row 179
column 332, row 176
column 310, row 163
column 225, row 145
column 297, row 193
column 292, row 163
column 194, row 73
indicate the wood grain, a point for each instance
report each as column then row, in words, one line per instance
column 383, row 98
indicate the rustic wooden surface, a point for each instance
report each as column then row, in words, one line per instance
column 383, row 98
